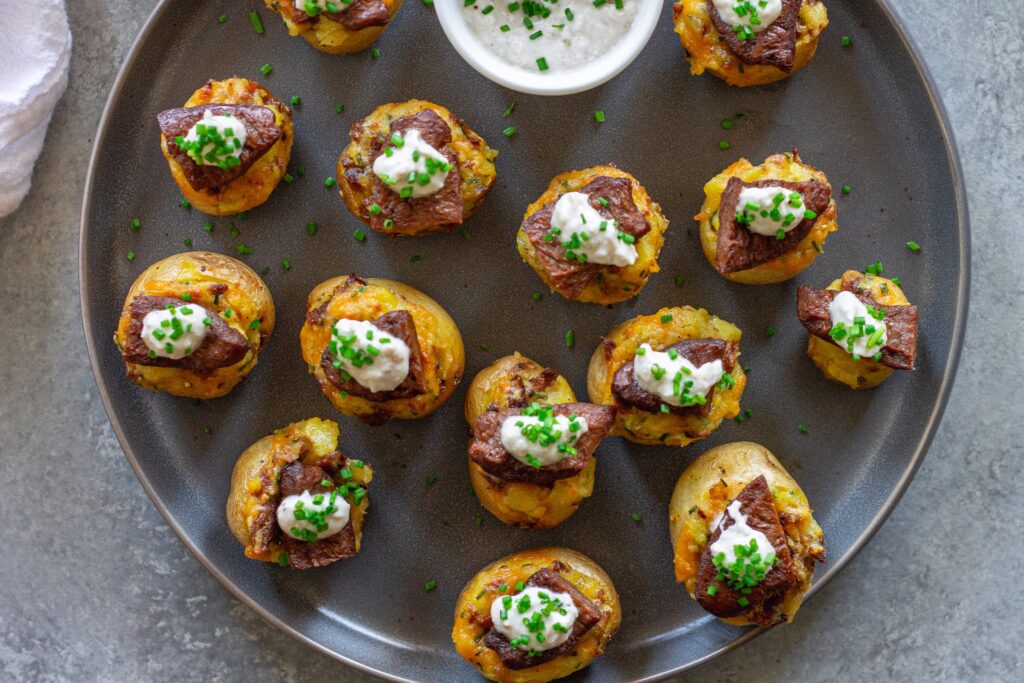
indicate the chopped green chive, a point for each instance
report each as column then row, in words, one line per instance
column 847, row 189
column 375, row 53
column 508, row 110
column 360, row 235
column 510, row 131
column 266, row 69
column 724, row 145
column 130, row 255
column 666, row 318
column 727, row 124
column 847, row 41
column 296, row 100
column 136, row 224
column 329, row 181
column 599, row 115
column 257, row 23
column 430, row 585
column 914, row 247
column 222, row 18
column 570, row 339
column 286, row 264
column 311, row 227
column 802, row 428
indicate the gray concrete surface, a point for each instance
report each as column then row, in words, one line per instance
column 94, row 586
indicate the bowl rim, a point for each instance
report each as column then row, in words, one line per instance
column 553, row 83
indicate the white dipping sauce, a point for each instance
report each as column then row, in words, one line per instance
column 674, row 380
column 573, row 33
column 771, row 211
column 755, row 15
column 226, row 137
column 410, row 167
column 555, row 611
column 740, row 534
column 318, row 519
column 175, row 332
column 846, row 310
column 372, row 357
column 522, row 439
column 582, row 230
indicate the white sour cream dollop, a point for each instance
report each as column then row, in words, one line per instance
column 312, row 516
column 373, row 358
column 410, row 167
column 854, row 328
column 582, row 230
column 755, row 15
column 771, row 211
column 175, row 332
column 740, row 533
column 556, row 612
column 571, row 35
column 673, row 378
column 225, row 128
column 525, row 438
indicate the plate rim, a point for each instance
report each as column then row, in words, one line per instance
column 950, row 369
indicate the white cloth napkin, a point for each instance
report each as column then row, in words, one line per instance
column 35, row 51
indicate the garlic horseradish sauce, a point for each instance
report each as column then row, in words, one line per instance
column 550, row 35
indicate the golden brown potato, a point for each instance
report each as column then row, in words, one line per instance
column 256, row 473
column 833, row 360
column 474, row 159
column 788, row 167
column 474, row 606
column 706, row 488
column 706, row 51
column 245, row 305
column 612, row 284
column 330, row 36
column 513, row 380
column 254, row 187
column 666, row 327
column 350, row 297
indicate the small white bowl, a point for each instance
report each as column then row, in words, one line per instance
column 453, row 20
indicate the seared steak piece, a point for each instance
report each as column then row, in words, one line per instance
column 223, row 345
column 757, row 504
column 488, row 451
column 774, row 46
column 261, row 130
column 739, row 248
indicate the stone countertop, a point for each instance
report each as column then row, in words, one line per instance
column 115, row 596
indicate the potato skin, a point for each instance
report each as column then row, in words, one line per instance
column 439, row 339
column 522, row 504
column 584, row 573
column 707, row 52
column 248, row 298
column 254, row 478
column 475, row 160
column 330, row 36
column 705, row 489
column 613, row 284
column 787, row 166
column 619, row 347
column 838, row 365
column 255, row 186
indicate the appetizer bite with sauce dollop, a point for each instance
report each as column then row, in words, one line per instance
column 594, row 235
column 673, row 376
column 380, row 349
column 295, row 500
column 749, row 42
column 745, row 542
column 193, row 324
column 336, row 26
column 531, row 455
column 764, row 224
column 413, row 168
column 536, row 615
column 548, row 37
column 229, row 146
column 861, row 327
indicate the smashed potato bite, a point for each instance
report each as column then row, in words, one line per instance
column 436, row 357
column 648, row 419
column 838, row 364
column 553, row 569
column 396, row 206
column 350, row 29
column 797, row 253
column 231, row 302
column 709, row 50
column 198, row 182
column 516, row 382
column 298, row 461
column 622, row 211
column 719, row 477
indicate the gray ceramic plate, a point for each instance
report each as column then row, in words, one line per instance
column 866, row 114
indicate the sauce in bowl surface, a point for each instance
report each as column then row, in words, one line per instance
column 550, row 36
